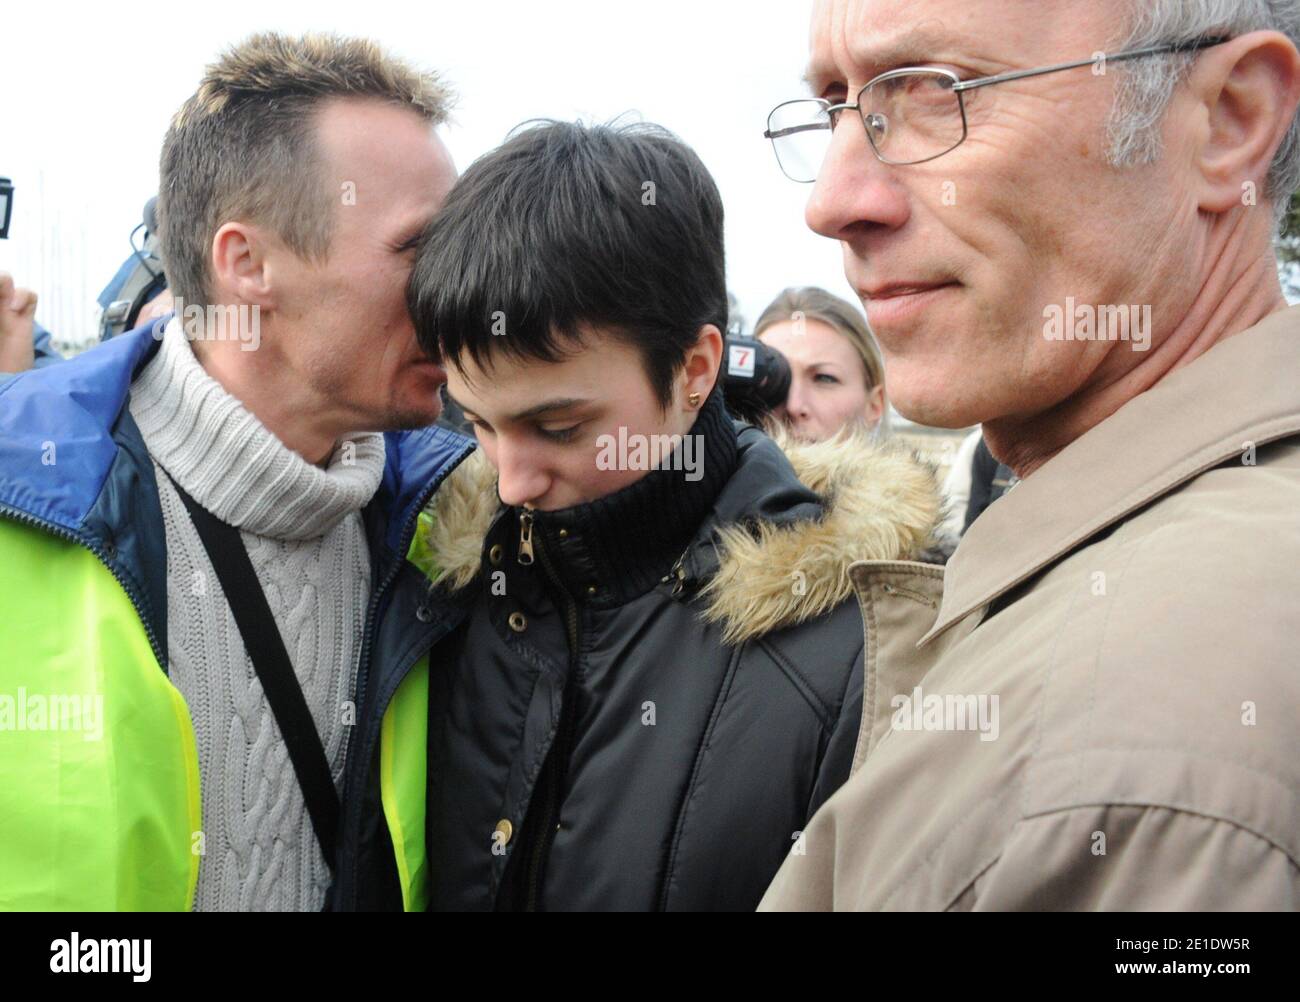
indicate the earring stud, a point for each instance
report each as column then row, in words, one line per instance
column 694, row 398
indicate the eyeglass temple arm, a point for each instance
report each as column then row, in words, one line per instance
column 790, row 130
column 1154, row 50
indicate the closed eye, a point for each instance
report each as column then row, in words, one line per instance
column 410, row 243
column 559, row 434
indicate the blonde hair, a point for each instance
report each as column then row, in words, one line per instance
column 813, row 303
column 243, row 146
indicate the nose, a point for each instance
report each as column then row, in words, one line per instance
column 797, row 408
column 854, row 190
column 521, row 479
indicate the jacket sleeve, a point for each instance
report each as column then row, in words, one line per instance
column 1136, row 858
column 837, row 759
column 99, row 773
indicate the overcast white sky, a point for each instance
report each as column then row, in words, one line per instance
column 88, row 93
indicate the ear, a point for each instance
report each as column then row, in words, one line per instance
column 1249, row 88
column 240, row 269
column 875, row 408
column 700, row 367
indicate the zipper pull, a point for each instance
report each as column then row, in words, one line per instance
column 679, row 572
column 526, row 538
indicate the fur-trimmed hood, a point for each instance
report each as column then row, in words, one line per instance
column 755, row 572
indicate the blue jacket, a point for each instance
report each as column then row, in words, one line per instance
column 102, row 494
column 41, row 338
column 43, row 346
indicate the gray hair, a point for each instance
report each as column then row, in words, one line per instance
column 1147, row 85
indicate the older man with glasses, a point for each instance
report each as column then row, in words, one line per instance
column 1096, row 705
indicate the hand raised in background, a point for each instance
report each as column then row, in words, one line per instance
column 17, row 317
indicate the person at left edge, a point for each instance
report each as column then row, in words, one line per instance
column 293, row 185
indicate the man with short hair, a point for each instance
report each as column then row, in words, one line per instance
column 1059, row 219
column 270, row 409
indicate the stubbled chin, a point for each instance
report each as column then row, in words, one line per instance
column 415, row 412
column 424, row 394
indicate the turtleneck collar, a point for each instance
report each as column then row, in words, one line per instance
column 232, row 464
column 609, row 551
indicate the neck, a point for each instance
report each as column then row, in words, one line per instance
column 221, row 453
column 277, row 396
column 1238, row 292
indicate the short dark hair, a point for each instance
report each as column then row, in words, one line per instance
column 567, row 227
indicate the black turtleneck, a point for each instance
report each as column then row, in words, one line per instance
column 609, row 551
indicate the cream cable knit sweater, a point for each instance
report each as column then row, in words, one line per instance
column 303, row 530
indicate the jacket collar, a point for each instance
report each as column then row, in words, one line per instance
column 1241, row 392
column 416, row 463
column 773, row 551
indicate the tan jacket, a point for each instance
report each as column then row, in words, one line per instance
column 1134, row 605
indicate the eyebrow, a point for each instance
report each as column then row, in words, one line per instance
column 559, row 403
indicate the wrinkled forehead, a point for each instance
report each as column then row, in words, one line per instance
column 853, row 40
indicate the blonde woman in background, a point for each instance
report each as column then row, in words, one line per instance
column 836, row 375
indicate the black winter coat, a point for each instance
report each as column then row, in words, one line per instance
column 601, row 738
